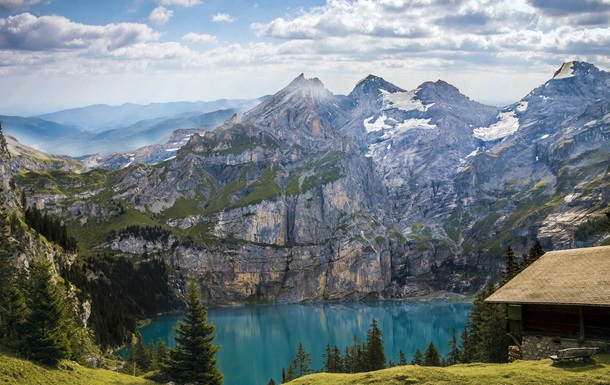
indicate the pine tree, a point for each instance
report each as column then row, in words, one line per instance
column 13, row 310
column 193, row 359
column 374, row 352
column 468, row 348
column 454, row 350
column 488, row 339
column 535, row 252
column 402, row 360
column 162, row 354
column 512, row 267
column 332, row 360
column 418, row 358
column 301, row 364
column 46, row 331
column 432, row 357
column 271, row 382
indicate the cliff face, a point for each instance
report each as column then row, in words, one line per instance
column 384, row 191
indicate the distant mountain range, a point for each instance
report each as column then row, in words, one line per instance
column 106, row 130
column 382, row 192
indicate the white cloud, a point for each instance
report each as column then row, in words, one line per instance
column 17, row 4
column 31, row 33
column 223, row 17
column 160, row 15
column 182, row 3
column 199, row 38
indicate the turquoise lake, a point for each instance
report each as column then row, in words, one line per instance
column 257, row 341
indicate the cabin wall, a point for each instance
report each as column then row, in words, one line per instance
column 547, row 329
column 537, row 347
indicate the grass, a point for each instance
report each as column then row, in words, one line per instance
column 17, row 371
column 592, row 372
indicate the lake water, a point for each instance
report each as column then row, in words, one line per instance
column 257, row 341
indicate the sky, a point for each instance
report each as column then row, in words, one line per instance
column 57, row 54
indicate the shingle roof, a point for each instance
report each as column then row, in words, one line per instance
column 566, row 277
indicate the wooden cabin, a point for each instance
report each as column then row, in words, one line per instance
column 560, row 301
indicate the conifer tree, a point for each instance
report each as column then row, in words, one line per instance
column 454, row 351
column 301, row 364
column 432, row 357
column 418, row 358
column 467, row 347
column 488, row 339
column 47, row 324
column 162, row 354
column 535, row 252
column 402, row 360
column 271, row 382
column 512, row 267
column 374, row 353
column 193, row 359
column 13, row 309
column 332, row 359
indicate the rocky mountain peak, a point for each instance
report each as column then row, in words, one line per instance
column 374, row 85
column 575, row 68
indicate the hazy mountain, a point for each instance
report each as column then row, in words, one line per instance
column 101, row 117
column 385, row 191
column 35, row 131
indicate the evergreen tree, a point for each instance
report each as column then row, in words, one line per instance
column 454, row 350
column 512, row 267
column 141, row 354
column 301, row 364
column 13, row 309
column 162, row 353
column 332, row 360
column 487, row 324
column 535, row 252
column 374, row 352
column 46, row 331
column 402, row 360
column 193, row 359
column 432, row 357
column 418, row 358
column 467, row 347
column 271, row 382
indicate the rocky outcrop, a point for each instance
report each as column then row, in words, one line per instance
column 381, row 192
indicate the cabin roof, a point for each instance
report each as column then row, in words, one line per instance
column 567, row 277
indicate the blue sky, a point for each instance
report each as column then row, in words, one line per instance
column 57, row 54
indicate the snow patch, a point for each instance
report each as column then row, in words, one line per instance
column 566, row 71
column 405, row 101
column 172, row 149
column 411, row 124
column 522, row 106
column 377, row 125
column 507, row 125
column 475, row 152
column 544, row 136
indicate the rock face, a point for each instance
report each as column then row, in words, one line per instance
column 382, row 192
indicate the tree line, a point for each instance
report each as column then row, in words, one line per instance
column 121, row 293
column 48, row 226
column 38, row 319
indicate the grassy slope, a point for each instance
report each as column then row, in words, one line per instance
column 545, row 372
column 16, row 371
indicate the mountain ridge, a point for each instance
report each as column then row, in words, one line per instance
column 391, row 194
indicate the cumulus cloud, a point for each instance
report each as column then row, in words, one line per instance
column 30, row 33
column 199, row 38
column 182, row 3
column 160, row 15
column 223, row 17
column 17, row 4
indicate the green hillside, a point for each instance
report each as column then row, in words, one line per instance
column 596, row 371
column 17, row 371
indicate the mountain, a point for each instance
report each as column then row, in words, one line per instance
column 102, row 117
column 140, row 134
column 383, row 192
column 35, row 131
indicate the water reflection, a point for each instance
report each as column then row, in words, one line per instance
column 257, row 341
